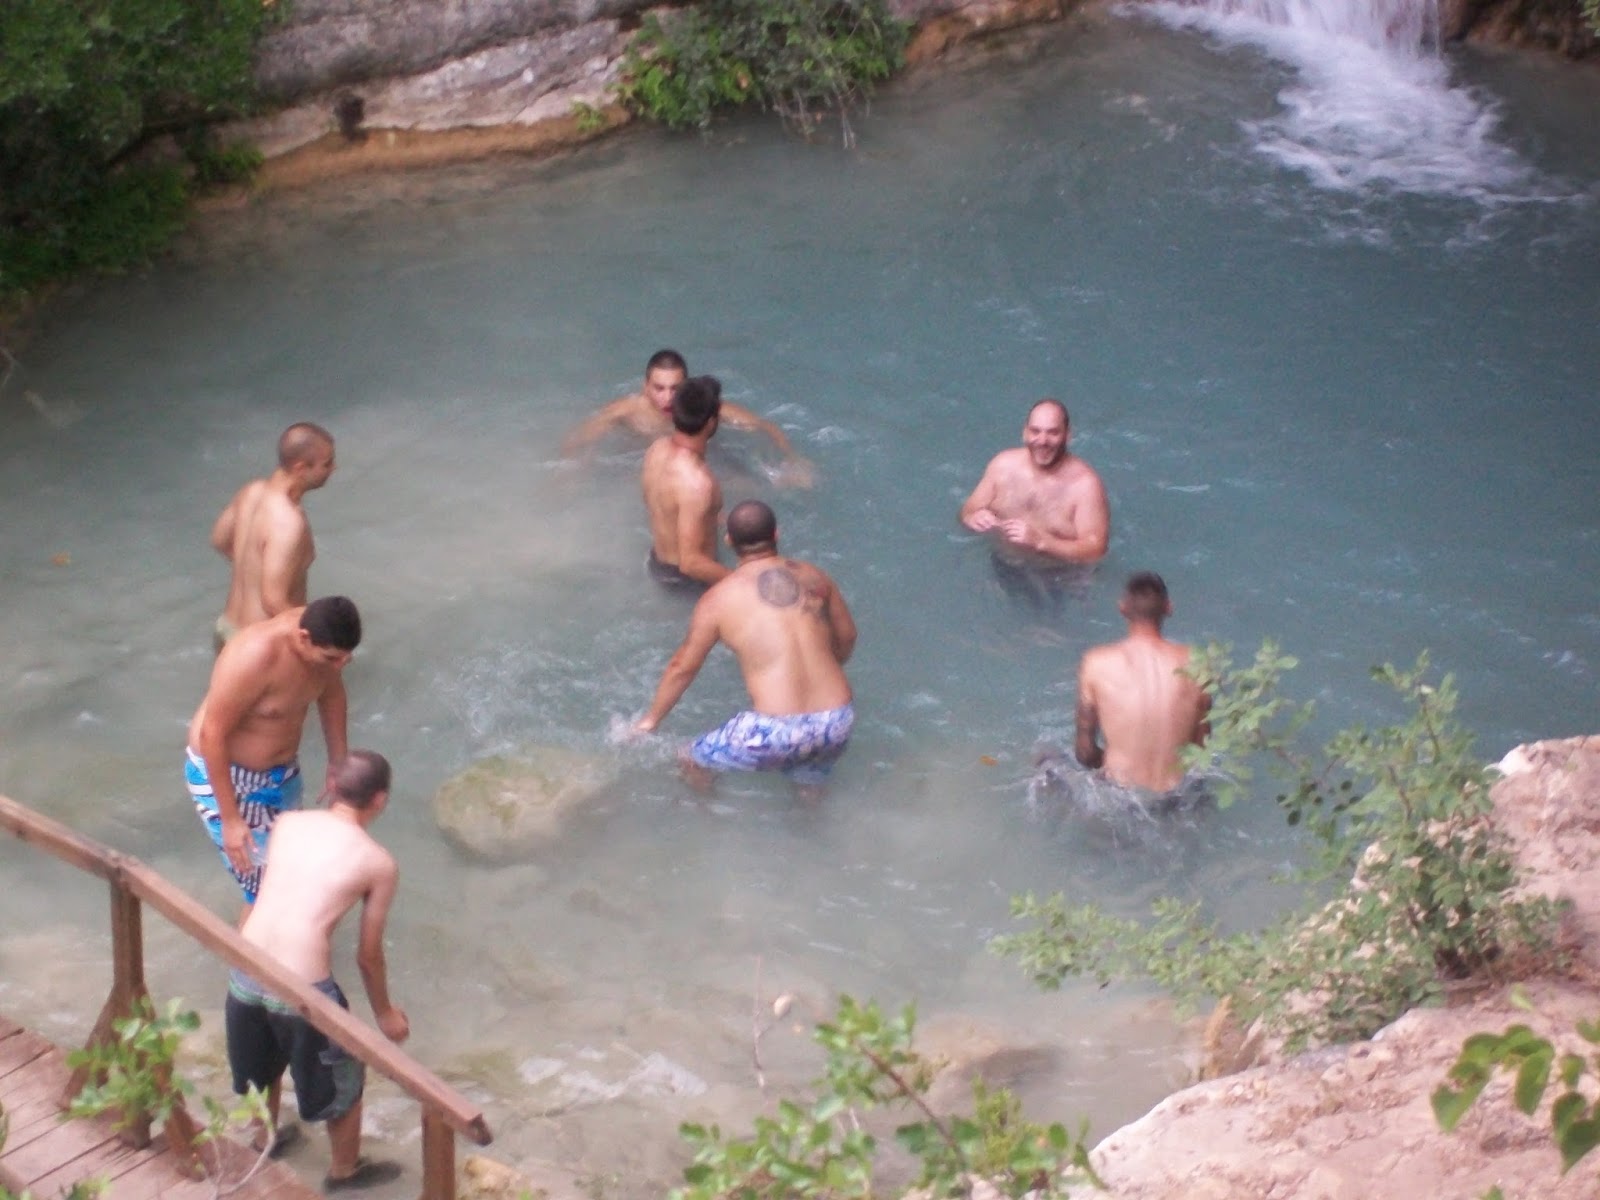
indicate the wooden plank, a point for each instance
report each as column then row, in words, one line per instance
column 8, row 1026
column 110, row 1159
column 55, row 838
column 56, row 1147
column 20, row 1051
column 438, row 1159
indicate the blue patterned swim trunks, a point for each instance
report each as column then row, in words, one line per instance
column 804, row 746
column 261, row 796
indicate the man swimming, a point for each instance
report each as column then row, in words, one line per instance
column 1045, row 507
column 264, row 533
column 1135, row 697
column 648, row 413
column 681, row 495
column 791, row 631
column 242, row 765
column 322, row 864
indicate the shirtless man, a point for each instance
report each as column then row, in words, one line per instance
column 1044, row 504
column 322, row 864
column 681, row 494
column 265, row 535
column 792, row 633
column 241, row 764
column 648, row 413
column 1135, row 694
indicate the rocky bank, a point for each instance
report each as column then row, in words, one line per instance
column 360, row 85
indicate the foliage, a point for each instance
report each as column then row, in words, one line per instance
column 133, row 1077
column 1422, row 880
column 85, row 86
column 1574, row 1117
column 819, row 1149
column 589, row 119
column 803, row 59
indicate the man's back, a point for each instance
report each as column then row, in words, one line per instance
column 1146, row 708
column 266, row 536
column 319, row 866
column 790, row 630
column 683, row 499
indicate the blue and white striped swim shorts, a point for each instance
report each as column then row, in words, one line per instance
column 262, row 795
column 804, row 746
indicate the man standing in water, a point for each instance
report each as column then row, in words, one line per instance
column 322, row 864
column 681, row 494
column 265, row 535
column 1135, row 693
column 242, row 764
column 790, row 629
column 1045, row 506
column 648, row 413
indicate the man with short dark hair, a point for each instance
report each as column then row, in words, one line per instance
column 789, row 627
column 648, row 413
column 1135, row 694
column 242, row 765
column 264, row 533
column 319, row 866
column 681, row 495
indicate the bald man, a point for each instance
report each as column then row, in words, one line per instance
column 264, row 532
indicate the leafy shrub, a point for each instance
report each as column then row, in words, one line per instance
column 820, row 1150
column 1423, row 881
column 803, row 59
column 84, row 87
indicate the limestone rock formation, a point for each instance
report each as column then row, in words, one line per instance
column 504, row 808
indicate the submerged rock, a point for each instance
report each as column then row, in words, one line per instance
column 504, row 808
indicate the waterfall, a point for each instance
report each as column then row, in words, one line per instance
column 1370, row 109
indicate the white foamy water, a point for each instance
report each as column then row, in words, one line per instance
column 1371, row 107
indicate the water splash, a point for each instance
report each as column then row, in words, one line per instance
column 1371, row 110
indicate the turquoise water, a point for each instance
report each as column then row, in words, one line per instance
column 1338, row 374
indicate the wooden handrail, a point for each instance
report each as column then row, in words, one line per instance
column 131, row 881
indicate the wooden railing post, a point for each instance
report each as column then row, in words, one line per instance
column 438, row 1157
column 127, row 992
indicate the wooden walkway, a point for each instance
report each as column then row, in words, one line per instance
column 46, row 1154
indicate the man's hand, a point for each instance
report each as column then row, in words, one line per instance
column 394, row 1024
column 236, row 843
column 328, row 792
column 644, row 725
column 1017, row 532
column 982, row 520
column 794, row 472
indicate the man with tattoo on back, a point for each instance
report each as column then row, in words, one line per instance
column 791, row 631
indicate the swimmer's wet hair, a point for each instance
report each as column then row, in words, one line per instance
column 1055, row 404
column 670, row 359
column 301, row 441
column 696, row 401
column 332, row 621
column 750, row 524
column 1146, row 595
column 360, row 777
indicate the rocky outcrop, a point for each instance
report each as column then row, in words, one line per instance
column 1548, row 24
column 429, row 78
column 1354, row 1122
column 503, row 809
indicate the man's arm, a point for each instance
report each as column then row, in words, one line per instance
column 1087, row 748
column 333, row 710
column 797, row 470
column 222, row 530
column 976, row 514
column 597, row 425
column 232, row 694
column 684, row 664
column 369, row 952
column 283, row 565
column 842, row 626
column 697, row 519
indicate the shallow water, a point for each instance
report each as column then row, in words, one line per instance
column 1347, row 407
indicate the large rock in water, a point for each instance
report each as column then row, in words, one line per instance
column 504, row 808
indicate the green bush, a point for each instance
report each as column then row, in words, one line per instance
column 1422, row 882
column 803, row 59
column 85, row 87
